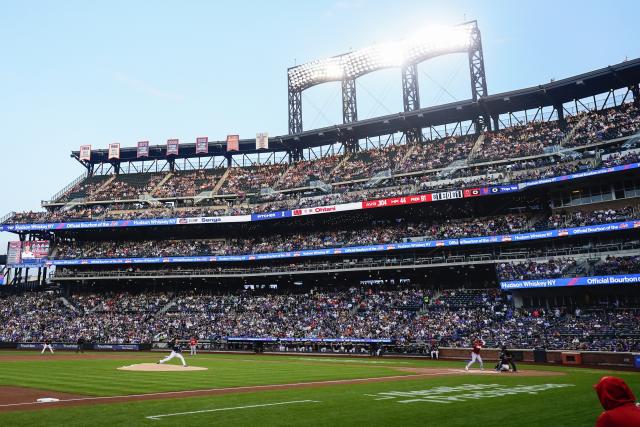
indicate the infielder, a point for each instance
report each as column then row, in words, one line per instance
column 475, row 355
column 193, row 346
column 47, row 346
column 176, row 351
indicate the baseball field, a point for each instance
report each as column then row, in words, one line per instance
column 246, row 389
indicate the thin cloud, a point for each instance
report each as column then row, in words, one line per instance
column 145, row 88
column 344, row 5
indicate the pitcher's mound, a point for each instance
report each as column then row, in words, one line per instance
column 155, row 367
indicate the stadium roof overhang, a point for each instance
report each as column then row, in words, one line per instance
column 557, row 92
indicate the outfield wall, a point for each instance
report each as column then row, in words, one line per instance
column 589, row 358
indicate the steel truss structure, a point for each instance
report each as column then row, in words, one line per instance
column 593, row 90
column 410, row 84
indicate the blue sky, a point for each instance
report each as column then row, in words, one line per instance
column 78, row 72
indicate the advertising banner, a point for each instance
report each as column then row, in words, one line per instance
column 143, row 149
column 202, row 145
column 172, row 147
column 85, row 152
column 34, row 252
column 262, row 141
column 397, row 201
column 14, row 253
column 114, row 151
column 622, row 279
column 233, row 142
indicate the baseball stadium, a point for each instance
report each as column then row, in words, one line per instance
column 464, row 263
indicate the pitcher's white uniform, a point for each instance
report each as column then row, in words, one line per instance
column 175, row 352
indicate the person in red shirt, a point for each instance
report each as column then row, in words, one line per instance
column 193, row 346
column 475, row 355
column 619, row 403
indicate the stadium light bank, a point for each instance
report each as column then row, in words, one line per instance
column 406, row 55
column 428, row 43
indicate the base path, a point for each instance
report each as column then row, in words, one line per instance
column 17, row 395
column 29, row 402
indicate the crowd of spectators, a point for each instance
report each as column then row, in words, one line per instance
column 251, row 179
column 607, row 124
column 378, row 232
column 405, row 315
column 618, row 265
column 347, row 232
column 301, row 172
column 550, row 269
column 519, row 141
column 601, row 216
column 188, row 184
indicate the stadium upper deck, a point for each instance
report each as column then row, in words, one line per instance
column 536, row 162
column 588, row 141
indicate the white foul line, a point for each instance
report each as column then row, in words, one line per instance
column 230, row 389
column 157, row 417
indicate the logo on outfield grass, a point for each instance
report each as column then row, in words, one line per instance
column 463, row 392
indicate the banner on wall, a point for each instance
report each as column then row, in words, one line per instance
column 233, row 142
column 114, row 151
column 14, row 251
column 85, row 152
column 172, row 147
column 34, row 251
column 262, row 141
column 621, row 279
column 202, row 145
column 143, row 149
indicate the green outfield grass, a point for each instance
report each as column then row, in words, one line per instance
column 575, row 404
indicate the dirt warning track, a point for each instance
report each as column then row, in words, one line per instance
column 28, row 402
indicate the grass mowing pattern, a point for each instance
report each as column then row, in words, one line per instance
column 93, row 377
column 340, row 405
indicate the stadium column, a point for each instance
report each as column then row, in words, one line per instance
column 411, row 98
column 635, row 90
column 295, row 110
column 349, row 112
column 560, row 113
column 296, row 154
column 495, row 118
column 478, row 77
column 349, row 101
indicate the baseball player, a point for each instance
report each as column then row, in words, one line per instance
column 176, row 351
column 475, row 355
column 193, row 346
column 435, row 350
column 47, row 346
column 506, row 361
